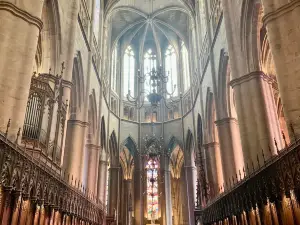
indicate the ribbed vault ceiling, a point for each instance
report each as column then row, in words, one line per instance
column 140, row 23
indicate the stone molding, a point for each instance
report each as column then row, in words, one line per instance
column 93, row 147
column 114, row 168
column 78, row 122
column 250, row 76
column 226, row 121
column 212, row 144
column 7, row 6
column 102, row 162
column 281, row 11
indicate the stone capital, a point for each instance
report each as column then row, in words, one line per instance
column 114, row 168
column 102, row 162
column 250, row 76
column 22, row 14
column 281, row 11
column 127, row 180
column 93, row 147
column 226, row 121
column 209, row 145
column 78, row 122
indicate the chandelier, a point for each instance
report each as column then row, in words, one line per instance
column 157, row 81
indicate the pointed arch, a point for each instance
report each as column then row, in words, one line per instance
column 173, row 143
column 127, row 160
column 92, row 116
column 223, row 85
column 103, row 134
column 189, row 142
column 50, row 35
column 131, row 145
column 77, row 91
column 176, row 157
column 210, row 114
column 113, row 149
column 251, row 24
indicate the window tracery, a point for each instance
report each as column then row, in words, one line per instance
column 185, row 66
column 114, row 61
column 171, row 69
column 97, row 19
column 129, row 72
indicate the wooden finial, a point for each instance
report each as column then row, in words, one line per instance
column 18, row 135
column 263, row 155
column 62, row 68
column 276, row 146
column 293, row 132
column 7, row 128
column 284, row 139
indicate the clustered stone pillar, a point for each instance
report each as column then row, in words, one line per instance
column 190, row 178
column 102, row 180
column 168, row 196
column 230, row 143
column 114, row 176
column 92, row 151
column 282, row 22
column 138, row 193
column 214, row 165
column 20, row 26
column 126, row 202
column 257, row 116
column 74, row 147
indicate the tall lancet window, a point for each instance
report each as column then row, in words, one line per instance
column 97, row 19
column 129, row 72
column 114, row 63
column 152, row 189
column 171, row 69
column 185, row 67
column 150, row 62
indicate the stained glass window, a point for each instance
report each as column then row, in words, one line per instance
column 149, row 63
column 114, row 61
column 97, row 19
column 171, row 69
column 152, row 189
column 129, row 72
column 185, row 66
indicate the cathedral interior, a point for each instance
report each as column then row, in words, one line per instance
column 149, row 112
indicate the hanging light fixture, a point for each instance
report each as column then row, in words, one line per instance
column 158, row 80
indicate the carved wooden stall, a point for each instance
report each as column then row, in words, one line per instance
column 31, row 193
column 269, row 195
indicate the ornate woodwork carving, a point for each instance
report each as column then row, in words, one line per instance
column 277, row 179
column 22, row 174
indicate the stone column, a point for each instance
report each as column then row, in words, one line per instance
column 126, row 203
column 214, row 167
column 282, row 22
column 257, row 115
column 92, row 167
column 114, row 176
column 168, row 197
column 102, row 179
column 74, row 148
column 17, row 57
column 231, row 147
column 138, row 197
column 190, row 179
